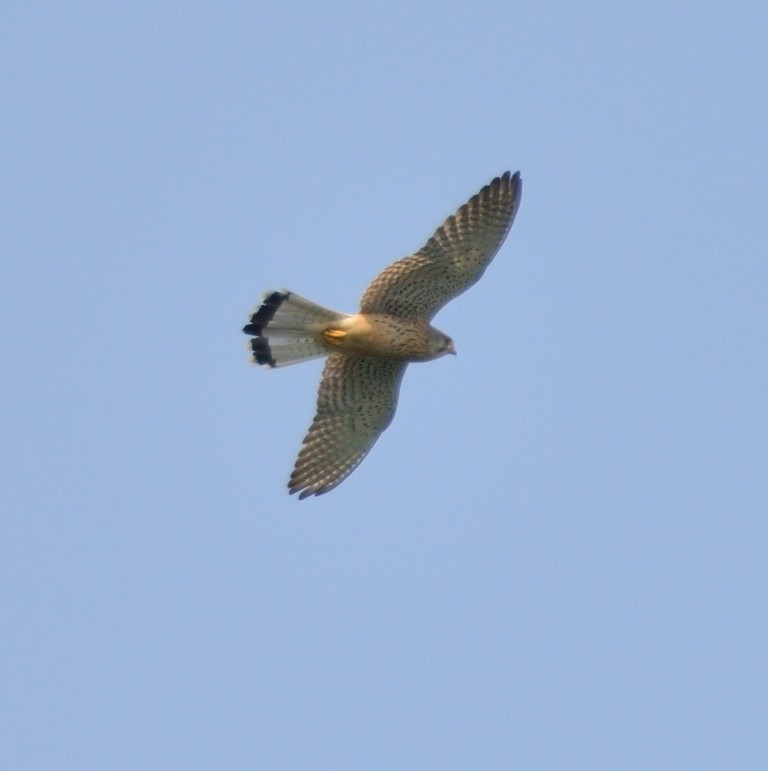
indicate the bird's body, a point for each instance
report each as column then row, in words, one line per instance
column 318, row 331
column 368, row 351
column 385, row 336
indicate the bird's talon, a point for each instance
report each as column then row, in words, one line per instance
column 334, row 336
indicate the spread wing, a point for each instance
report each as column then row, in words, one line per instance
column 453, row 259
column 356, row 401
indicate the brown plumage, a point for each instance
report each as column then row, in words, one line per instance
column 370, row 350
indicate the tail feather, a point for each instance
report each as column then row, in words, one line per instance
column 287, row 312
column 286, row 329
column 279, row 352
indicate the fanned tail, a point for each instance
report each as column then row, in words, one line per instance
column 286, row 329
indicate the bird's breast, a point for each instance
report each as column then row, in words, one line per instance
column 380, row 335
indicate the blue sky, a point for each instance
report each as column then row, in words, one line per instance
column 555, row 558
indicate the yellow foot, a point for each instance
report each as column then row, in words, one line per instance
column 334, row 336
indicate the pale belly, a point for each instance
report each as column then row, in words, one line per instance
column 379, row 335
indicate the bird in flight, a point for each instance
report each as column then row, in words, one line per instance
column 368, row 351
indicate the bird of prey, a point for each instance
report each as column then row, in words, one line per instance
column 368, row 351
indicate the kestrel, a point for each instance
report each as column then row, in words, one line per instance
column 369, row 350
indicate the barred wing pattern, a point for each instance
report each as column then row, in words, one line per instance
column 452, row 260
column 356, row 401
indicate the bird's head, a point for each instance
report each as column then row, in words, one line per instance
column 440, row 345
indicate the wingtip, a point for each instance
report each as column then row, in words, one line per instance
column 303, row 493
column 509, row 181
column 308, row 489
column 518, row 180
column 515, row 184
